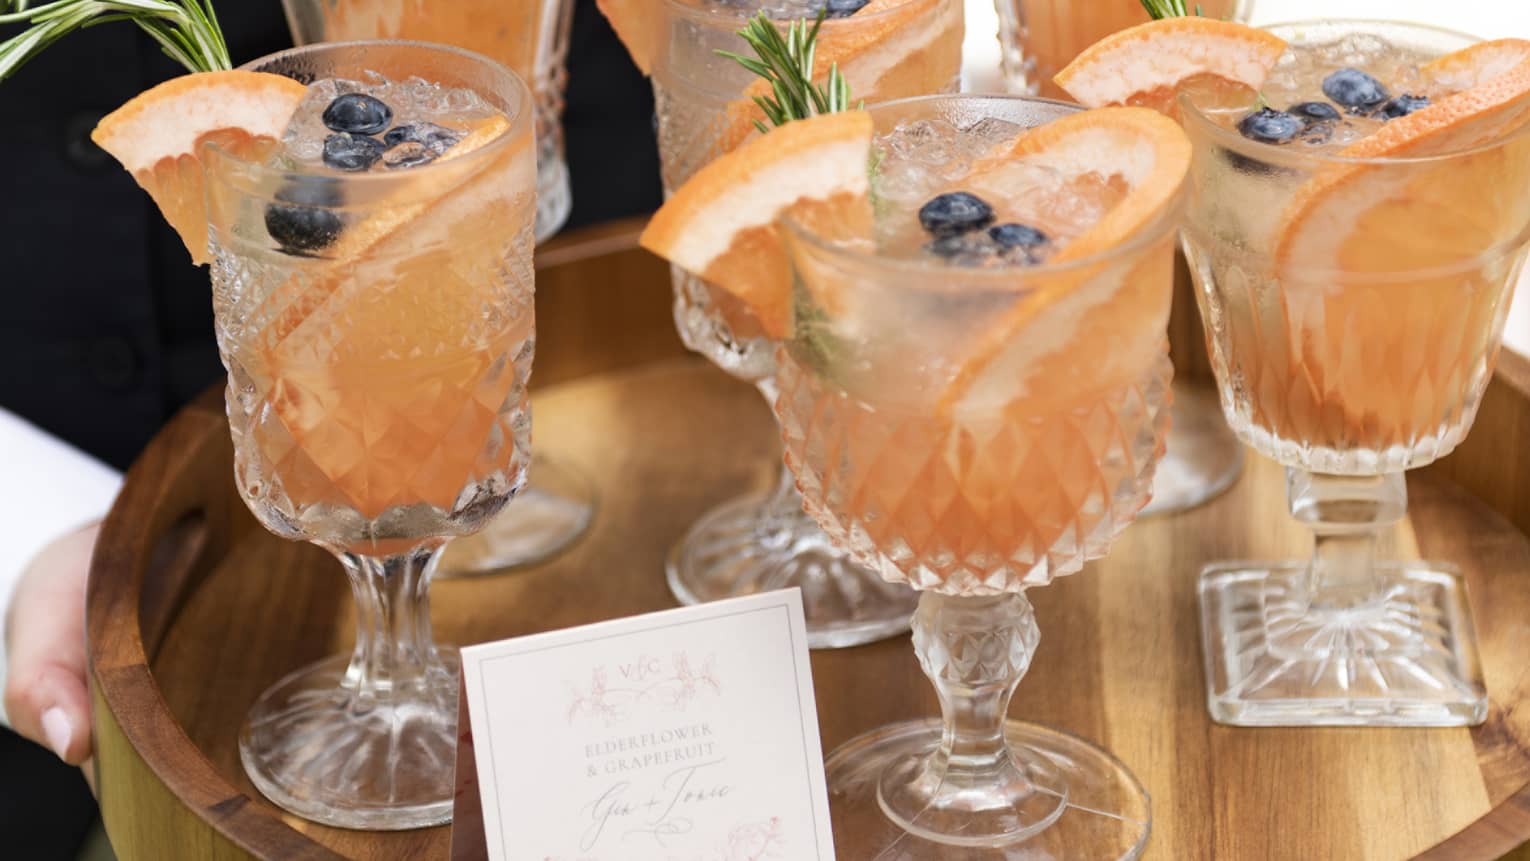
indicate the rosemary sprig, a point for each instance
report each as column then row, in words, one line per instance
column 1161, row 9
column 187, row 30
column 787, row 63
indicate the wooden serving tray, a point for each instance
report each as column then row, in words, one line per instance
column 194, row 609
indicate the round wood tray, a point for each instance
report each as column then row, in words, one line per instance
column 194, row 609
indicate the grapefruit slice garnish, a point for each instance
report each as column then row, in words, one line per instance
column 1475, row 64
column 638, row 24
column 1148, row 65
column 721, row 225
column 1359, row 217
column 1391, row 273
column 1102, row 322
column 158, row 137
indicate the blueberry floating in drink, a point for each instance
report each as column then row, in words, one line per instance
column 1268, row 125
column 436, row 138
column 358, row 114
column 1402, row 106
column 1315, row 112
column 955, row 213
column 348, row 152
column 303, row 221
column 1355, row 90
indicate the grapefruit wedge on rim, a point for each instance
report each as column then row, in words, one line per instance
column 1394, row 256
column 1149, row 64
column 721, row 225
column 1373, row 217
column 1094, row 314
column 158, row 137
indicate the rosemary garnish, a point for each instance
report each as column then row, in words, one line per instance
column 187, row 30
column 787, row 63
column 1161, row 9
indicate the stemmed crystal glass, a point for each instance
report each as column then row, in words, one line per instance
column 1348, row 375
column 763, row 541
column 1037, row 38
column 1034, row 471
column 377, row 398
column 531, row 38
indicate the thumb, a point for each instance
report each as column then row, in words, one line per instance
column 45, row 693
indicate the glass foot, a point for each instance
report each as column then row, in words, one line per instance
column 1079, row 801
column 550, row 514
column 1203, row 459
column 764, row 542
column 1400, row 650
column 315, row 747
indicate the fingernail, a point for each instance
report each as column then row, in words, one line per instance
column 56, row 728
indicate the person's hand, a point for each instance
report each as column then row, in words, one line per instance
column 45, row 694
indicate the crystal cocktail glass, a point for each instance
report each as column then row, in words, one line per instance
column 1031, row 472
column 763, row 541
column 377, row 398
column 1354, row 309
column 1038, row 38
column 531, row 38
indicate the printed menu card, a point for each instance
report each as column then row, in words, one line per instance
column 685, row 735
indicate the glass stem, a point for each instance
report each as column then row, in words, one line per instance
column 394, row 653
column 1347, row 515
column 975, row 651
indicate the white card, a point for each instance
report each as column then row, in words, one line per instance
column 685, row 735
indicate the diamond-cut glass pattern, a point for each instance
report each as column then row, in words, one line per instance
column 1351, row 378
column 973, row 506
column 384, row 397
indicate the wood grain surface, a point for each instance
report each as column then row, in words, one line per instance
column 194, row 609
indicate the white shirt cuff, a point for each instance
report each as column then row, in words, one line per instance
column 47, row 488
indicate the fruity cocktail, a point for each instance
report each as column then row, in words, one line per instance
column 1356, row 236
column 1108, row 57
column 531, row 38
column 370, row 235
column 973, row 397
column 706, row 107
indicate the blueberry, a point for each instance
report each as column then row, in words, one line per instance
column 302, row 220
column 1017, row 236
column 435, row 137
column 845, row 8
column 358, row 114
column 963, row 250
column 954, row 214
column 344, row 151
column 1355, row 90
column 408, row 154
column 1268, row 125
column 1314, row 112
column 1401, row 106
